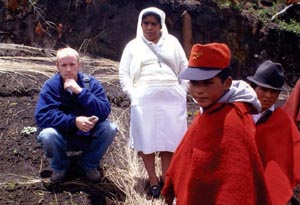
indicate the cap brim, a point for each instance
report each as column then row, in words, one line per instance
column 250, row 78
column 199, row 73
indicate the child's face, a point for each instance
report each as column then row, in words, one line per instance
column 266, row 96
column 207, row 92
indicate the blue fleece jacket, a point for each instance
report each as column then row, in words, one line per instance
column 57, row 108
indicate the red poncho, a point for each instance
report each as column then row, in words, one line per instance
column 217, row 161
column 292, row 105
column 278, row 143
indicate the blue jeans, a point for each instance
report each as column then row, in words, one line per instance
column 93, row 147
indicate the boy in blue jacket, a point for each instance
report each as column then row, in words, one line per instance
column 73, row 117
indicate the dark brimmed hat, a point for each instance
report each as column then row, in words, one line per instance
column 269, row 75
column 206, row 61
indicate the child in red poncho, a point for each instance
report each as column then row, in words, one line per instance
column 217, row 161
column 277, row 136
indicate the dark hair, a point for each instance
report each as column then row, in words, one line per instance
column 151, row 13
column 253, row 85
column 224, row 74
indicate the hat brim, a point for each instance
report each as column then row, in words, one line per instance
column 192, row 73
column 250, row 78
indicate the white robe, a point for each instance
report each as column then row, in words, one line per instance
column 158, row 118
column 158, row 102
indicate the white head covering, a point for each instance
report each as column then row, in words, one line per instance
column 164, row 30
column 240, row 91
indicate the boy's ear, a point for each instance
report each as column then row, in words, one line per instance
column 227, row 83
column 56, row 64
column 79, row 65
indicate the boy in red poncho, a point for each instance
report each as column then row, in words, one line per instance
column 217, row 161
column 277, row 137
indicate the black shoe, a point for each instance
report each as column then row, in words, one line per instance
column 154, row 191
column 58, row 177
column 93, row 175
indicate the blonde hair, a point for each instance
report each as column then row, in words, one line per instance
column 66, row 52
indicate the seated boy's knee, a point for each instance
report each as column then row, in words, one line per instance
column 106, row 128
column 47, row 135
column 112, row 128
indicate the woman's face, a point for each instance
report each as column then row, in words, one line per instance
column 151, row 28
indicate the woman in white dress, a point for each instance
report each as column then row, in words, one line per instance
column 148, row 73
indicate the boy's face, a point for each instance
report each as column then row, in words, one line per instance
column 266, row 96
column 68, row 67
column 207, row 92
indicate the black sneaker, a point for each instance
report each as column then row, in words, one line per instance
column 93, row 175
column 154, row 191
column 58, row 177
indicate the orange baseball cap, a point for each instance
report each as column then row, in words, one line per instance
column 206, row 61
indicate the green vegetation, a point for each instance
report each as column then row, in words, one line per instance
column 28, row 130
column 265, row 14
column 236, row 5
column 292, row 26
column 10, row 186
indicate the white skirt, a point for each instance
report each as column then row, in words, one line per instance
column 158, row 118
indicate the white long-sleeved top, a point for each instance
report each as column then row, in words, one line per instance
column 137, row 54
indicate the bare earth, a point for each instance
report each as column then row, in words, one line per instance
column 24, row 171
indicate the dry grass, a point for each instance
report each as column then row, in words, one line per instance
column 124, row 167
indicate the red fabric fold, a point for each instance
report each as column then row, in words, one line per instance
column 278, row 143
column 217, row 161
column 292, row 105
